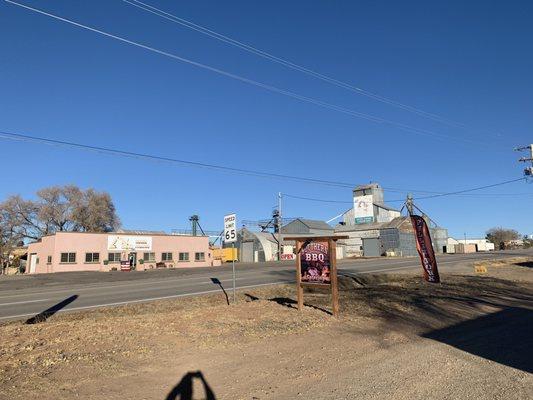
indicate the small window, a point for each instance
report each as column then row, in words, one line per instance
column 199, row 256
column 113, row 257
column 92, row 257
column 149, row 257
column 49, row 260
column 68, row 257
column 37, row 260
column 166, row 256
column 184, row 257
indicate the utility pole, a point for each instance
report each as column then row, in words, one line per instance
column 409, row 204
column 528, row 171
column 279, row 225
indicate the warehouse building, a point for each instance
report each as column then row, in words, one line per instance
column 263, row 246
column 468, row 245
column 301, row 226
column 375, row 229
column 80, row 251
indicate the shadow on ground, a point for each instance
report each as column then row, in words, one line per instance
column 184, row 390
column 43, row 316
column 505, row 337
column 482, row 315
column 526, row 264
column 287, row 302
column 217, row 282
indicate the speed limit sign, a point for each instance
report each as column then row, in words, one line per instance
column 230, row 228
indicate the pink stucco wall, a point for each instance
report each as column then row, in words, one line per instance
column 82, row 243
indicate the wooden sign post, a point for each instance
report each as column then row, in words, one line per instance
column 316, row 266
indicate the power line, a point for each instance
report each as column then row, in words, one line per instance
column 124, row 153
column 402, row 200
column 317, row 200
column 470, row 190
column 266, row 55
column 456, row 193
column 241, row 171
column 270, row 88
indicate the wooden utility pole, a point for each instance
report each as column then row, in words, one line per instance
column 528, row 171
column 334, row 281
column 299, row 287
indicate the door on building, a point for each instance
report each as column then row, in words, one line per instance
column 33, row 262
column 247, row 252
column 371, row 247
column 132, row 257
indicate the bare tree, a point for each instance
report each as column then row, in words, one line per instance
column 499, row 236
column 24, row 216
column 57, row 209
column 96, row 212
column 11, row 235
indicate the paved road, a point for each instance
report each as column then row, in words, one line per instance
column 25, row 296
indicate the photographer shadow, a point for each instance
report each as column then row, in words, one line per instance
column 184, row 389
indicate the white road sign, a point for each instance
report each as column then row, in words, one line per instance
column 230, row 228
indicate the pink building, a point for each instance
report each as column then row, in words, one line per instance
column 80, row 251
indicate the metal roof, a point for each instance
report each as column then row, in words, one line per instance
column 315, row 224
column 395, row 223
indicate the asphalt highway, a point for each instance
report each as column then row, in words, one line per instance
column 22, row 297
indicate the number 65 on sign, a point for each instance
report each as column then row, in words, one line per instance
column 230, row 228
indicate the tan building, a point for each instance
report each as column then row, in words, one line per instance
column 80, row 251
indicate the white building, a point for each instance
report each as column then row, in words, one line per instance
column 375, row 229
column 480, row 244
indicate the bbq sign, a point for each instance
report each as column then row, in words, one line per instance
column 315, row 264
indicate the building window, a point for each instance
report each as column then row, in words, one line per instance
column 92, row 257
column 37, row 260
column 199, row 256
column 149, row 257
column 68, row 258
column 113, row 257
column 49, row 260
column 184, row 257
column 166, row 256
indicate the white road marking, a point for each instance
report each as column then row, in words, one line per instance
column 23, row 302
column 96, row 286
column 118, row 303
column 178, row 280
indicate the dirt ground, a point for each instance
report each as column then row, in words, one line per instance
column 470, row 337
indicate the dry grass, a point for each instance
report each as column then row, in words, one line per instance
column 95, row 343
column 108, row 340
column 517, row 268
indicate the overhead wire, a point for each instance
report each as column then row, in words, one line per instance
column 464, row 192
column 124, row 153
column 269, row 56
column 471, row 189
column 372, row 118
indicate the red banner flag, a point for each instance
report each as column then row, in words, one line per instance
column 425, row 249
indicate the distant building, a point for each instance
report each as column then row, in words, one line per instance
column 375, row 229
column 81, row 251
column 257, row 246
column 468, row 245
column 263, row 246
column 369, row 207
column 301, row 226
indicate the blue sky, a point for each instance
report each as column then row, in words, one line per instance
column 466, row 61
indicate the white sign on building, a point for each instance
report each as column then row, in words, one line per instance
column 122, row 243
column 230, row 228
column 363, row 208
